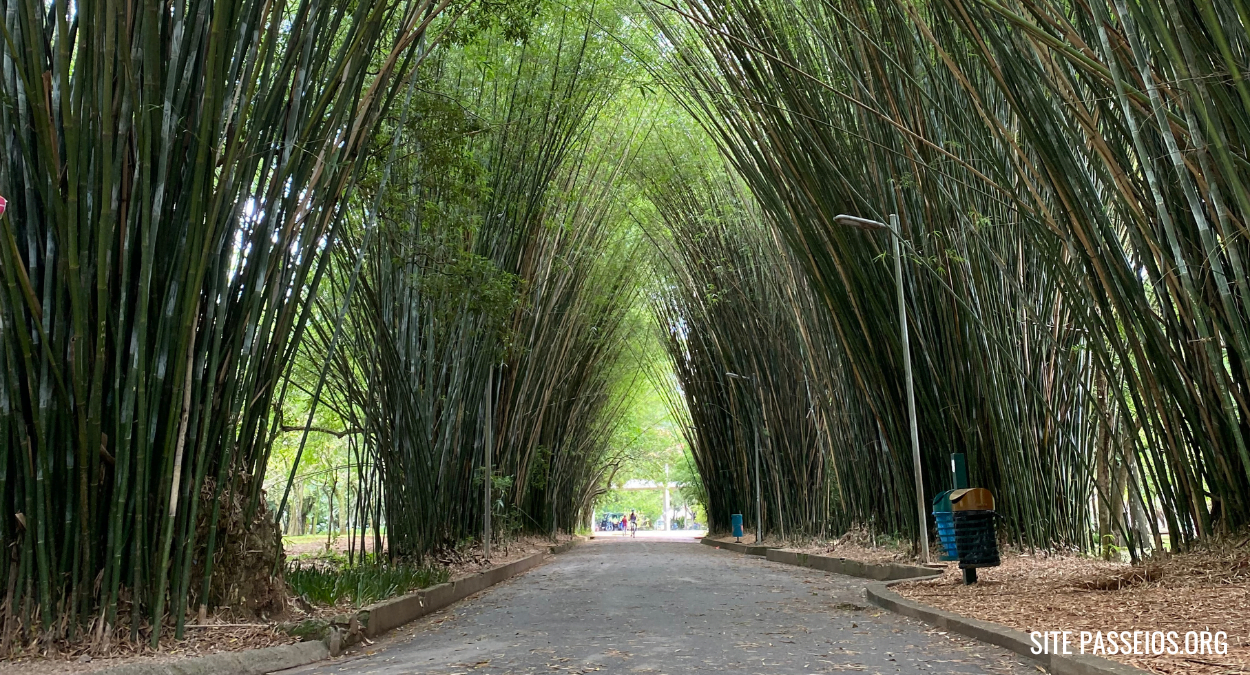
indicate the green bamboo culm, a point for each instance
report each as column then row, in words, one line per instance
column 1070, row 181
column 175, row 176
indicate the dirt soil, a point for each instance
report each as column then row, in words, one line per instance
column 303, row 548
column 227, row 633
column 1201, row 591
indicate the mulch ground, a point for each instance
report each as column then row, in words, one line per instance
column 220, row 634
column 1206, row 590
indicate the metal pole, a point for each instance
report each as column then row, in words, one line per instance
column 490, row 376
column 911, row 399
column 759, row 523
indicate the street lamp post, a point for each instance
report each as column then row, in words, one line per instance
column 759, row 524
column 759, row 518
column 893, row 229
column 489, row 445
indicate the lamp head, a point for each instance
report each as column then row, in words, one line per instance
column 860, row 223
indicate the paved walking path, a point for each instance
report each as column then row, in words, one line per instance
column 655, row 606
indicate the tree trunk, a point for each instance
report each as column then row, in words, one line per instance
column 1107, row 475
column 343, row 511
column 295, row 525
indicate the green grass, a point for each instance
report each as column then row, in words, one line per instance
column 359, row 584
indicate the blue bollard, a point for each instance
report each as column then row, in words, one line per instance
column 736, row 523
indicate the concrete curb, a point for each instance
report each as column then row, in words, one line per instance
column 851, row 568
column 880, row 595
column 383, row 616
column 373, row 620
column 749, row 549
column 249, row 662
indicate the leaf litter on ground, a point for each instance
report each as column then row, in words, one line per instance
column 1206, row 589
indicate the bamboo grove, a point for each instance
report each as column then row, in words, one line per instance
column 173, row 175
column 404, row 213
column 440, row 229
column 490, row 313
column 1070, row 180
column 223, row 206
column 740, row 355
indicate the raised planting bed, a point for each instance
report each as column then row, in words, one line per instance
column 1199, row 591
column 383, row 616
column 880, row 571
column 882, row 595
column 730, row 545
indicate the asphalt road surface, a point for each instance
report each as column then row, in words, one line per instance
column 620, row 605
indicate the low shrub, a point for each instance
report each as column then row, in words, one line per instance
column 358, row 585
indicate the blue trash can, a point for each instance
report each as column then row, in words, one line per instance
column 945, row 521
column 736, row 523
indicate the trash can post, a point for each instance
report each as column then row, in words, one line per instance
column 959, row 470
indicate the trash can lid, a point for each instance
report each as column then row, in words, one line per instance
column 972, row 499
column 942, row 501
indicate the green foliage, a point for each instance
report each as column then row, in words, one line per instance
column 490, row 302
column 358, row 585
column 1109, row 550
column 509, row 19
column 176, row 182
column 1067, row 219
